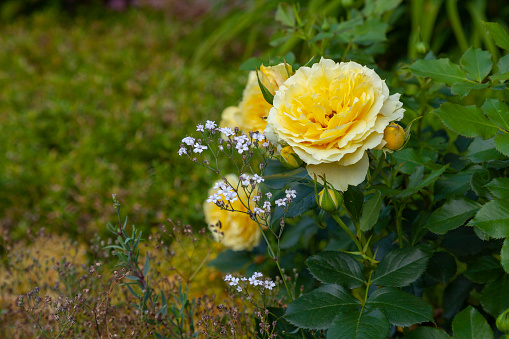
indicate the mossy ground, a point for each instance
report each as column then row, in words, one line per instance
column 94, row 105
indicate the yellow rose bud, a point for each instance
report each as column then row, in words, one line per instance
column 329, row 200
column 394, row 136
column 273, row 76
column 503, row 322
column 289, row 158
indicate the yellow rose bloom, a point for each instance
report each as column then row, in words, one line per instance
column 235, row 230
column 330, row 114
column 253, row 109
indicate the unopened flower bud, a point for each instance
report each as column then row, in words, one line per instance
column 394, row 136
column 289, row 158
column 273, row 76
column 330, row 200
column 503, row 322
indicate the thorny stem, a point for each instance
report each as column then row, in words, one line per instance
column 347, row 230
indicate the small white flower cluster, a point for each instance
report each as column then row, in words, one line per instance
column 242, row 142
column 290, row 194
column 224, row 189
column 266, row 204
column 255, row 280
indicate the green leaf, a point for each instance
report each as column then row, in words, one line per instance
column 476, row 63
column 371, row 211
column 499, row 187
column 334, row 267
column 251, row 64
column 483, row 269
column 498, row 34
column 503, row 64
column 481, row 151
column 442, row 267
column 316, row 309
column 408, row 159
column 373, row 30
column 280, row 180
column 442, row 71
column 502, row 143
column 463, row 88
column 470, row 324
column 468, row 121
column 401, row 308
column 146, row 266
column 504, row 255
column 495, row 296
column 452, row 214
column 401, row 267
column 497, row 111
column 428, row 333
column 285, row 14
column 353, row 199
column 457, row 183
column 493, row 218
column 430, row 179
column 371, row 324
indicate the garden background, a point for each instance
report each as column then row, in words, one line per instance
column 95, row 97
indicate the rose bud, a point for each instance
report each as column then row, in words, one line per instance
column 289, row 158
column 394, row 136
column 329, row 200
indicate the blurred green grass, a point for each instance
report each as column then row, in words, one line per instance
column 95, row 106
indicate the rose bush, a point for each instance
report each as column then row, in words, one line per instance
column 330, row 114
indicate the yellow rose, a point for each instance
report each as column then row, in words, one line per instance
column 331, row 113
column 253, row 109
column 235, row 230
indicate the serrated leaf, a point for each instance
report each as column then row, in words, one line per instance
column 497, row 111
column 481, row 151
column 468, row 121
column 493, row 218
column 495, row 296
column 285, row 14
column 470, row 324
column 452, row 214
column 463, row 88
column 371, row 211
column 427, row 332
column 316, row 309
column 408, row 159
column 401, row 308
column 442, row 71
column 373, row 30
column 353, row 199
column 504, row 255
column 499, row 187
column 476, row 63
column 401, row 267
column 483, row 269
column 502, row 143
column 334, row 267
column 430, row 179
column 498, row 34
column 372, row 324
column 503, row 64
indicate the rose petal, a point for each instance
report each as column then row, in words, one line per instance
column 341, row 176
